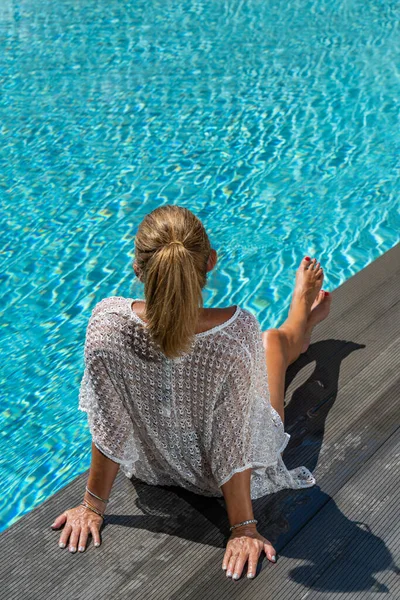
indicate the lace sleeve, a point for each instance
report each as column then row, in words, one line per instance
column 109, row 421
column 231, row 434
column 244, row 424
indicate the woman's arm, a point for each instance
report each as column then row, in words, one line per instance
column 238, row 502
column 78, row 522
column 245, row 543
column 103, row 472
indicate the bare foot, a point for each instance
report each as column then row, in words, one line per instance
column 309, row 278
column 319, row 312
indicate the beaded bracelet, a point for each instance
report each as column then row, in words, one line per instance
column 244, row 523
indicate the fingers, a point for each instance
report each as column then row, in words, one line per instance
column 64, row 536
column 73, row 541
column 270, row 551
column 240, row 562
column 60, row 520
column 246, row 549
column 236, row 561
column 227, row 558
column 83, row 539
column 231, row 565
column 252, row 564
column 252, row 558
column 96, row 535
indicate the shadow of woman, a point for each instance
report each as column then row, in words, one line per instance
column 343, row 539
column 313, row 397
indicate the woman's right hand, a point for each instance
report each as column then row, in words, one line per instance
column 245, row 546
column 79, row 523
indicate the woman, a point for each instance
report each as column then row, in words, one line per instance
column 177, row 394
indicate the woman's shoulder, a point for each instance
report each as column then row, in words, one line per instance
column 111, row 304
column 105, row 321
column 246, row 331
column 249, row 319
column 239, row 342
column 242, row 329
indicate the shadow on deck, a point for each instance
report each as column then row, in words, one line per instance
column 338, row 539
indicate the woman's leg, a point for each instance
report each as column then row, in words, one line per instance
column 284, row 345
column 277, row 357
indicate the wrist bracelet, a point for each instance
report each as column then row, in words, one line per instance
column 244, row 523
column 92, row 508
column 98, row 497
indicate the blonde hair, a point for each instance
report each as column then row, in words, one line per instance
column 172, row 250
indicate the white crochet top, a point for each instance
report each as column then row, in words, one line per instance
column 192, row 421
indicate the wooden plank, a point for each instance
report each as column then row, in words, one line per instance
column 333, row 553
column 349, row 549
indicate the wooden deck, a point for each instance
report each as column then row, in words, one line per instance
column 339, row 539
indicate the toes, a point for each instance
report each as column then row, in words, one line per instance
column 305, row 262
column 318, row 270
column 317, row 267
column 324, row 296
column 312, row 263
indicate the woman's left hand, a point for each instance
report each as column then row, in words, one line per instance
column 244, row 546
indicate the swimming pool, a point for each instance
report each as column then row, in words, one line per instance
column 276, row 123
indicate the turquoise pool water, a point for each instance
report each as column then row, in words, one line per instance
column 275, row 122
